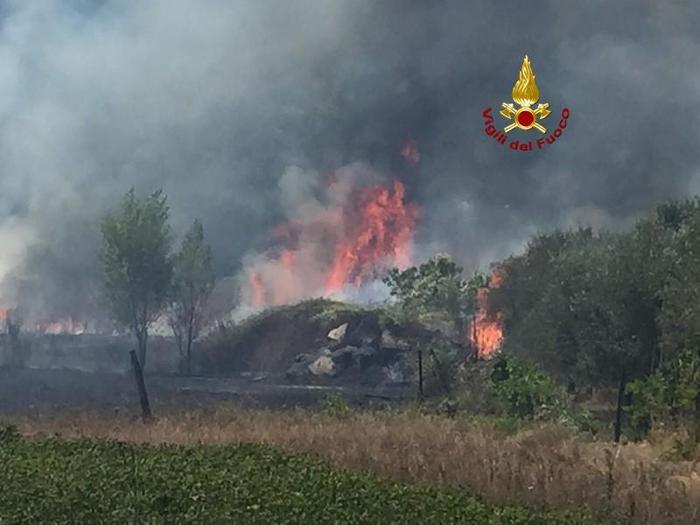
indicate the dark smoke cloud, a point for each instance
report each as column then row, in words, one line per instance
column 214, row 101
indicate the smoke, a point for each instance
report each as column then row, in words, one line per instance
column 215, row 101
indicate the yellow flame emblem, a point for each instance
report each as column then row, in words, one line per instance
column 525, row 90
column 525, row 93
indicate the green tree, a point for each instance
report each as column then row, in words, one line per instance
column 433, row 304
column 680, row 316
column 193, row 280
column 434, row 294
column 137, row 265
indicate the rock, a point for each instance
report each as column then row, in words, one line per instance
column 298, row 372
column 323, row 366
column 364, row 357
column 338, row 334
column 354, row 357
column 389, row 341
column 366, row 333
column 343, row 357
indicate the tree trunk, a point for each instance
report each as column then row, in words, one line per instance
column 696, row 408
column 620, row 401
column 142, row 339
column 141, row 386
column 697, row 418
column 191, row 318
column 188, row 364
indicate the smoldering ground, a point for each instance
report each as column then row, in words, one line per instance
column 214, row 101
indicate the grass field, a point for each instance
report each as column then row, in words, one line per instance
column 101, row 481
column 543, row 467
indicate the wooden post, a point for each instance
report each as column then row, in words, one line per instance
column 141, row 385
column 696, row 432
column 420, row 376
column 620, row 401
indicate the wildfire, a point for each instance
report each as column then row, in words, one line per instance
column 347, row 242
column 486, row 332
column 3, row 313
column 384, row 231
column 62, row 326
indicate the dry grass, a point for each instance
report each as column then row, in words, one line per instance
column 544, row 468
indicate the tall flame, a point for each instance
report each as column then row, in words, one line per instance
column 486, row 331
column 525, row 90
column 360, row 233
column 384, row 231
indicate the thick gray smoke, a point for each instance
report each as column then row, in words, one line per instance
column 215, row 100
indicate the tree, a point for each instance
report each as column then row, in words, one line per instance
column 434, row 294
column 137, row 266
column 193, row 280
column 432, row 308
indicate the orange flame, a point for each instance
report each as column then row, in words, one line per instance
column 486, row 331
column 348, row 242
column 385, row 231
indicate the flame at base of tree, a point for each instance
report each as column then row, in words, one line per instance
column 486, row 329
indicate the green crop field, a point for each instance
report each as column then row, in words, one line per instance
column 57, row 481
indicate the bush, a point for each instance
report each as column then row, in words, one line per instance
column 335, row 405
column 524, row 391
column 668, row 395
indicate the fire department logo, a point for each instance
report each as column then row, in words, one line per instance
column 522, row 114
column 525, row 94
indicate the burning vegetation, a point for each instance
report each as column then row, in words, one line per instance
column 357, row 235
column 486, row 327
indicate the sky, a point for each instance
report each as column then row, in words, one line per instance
column 215, row 101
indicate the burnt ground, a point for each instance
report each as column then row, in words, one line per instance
column 47, row 390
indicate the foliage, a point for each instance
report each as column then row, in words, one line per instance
column 524, row 391
column 8, row 433
column 667, row 394
column 335, row 405
column 112, row 482
column 137, row 265
column 434, row 294
column 193, row 280
column 603, row 309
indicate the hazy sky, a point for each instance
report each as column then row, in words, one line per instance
column 215, row 100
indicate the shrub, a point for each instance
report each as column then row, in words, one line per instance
column 524, row 391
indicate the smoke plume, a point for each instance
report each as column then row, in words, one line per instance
column 238, row 110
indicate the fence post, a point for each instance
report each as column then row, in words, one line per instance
column 420, row 376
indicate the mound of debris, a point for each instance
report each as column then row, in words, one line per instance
column 313, row 342
column 358, row 352
column 269, row 341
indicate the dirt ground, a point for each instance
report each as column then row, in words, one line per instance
column 40, row 391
